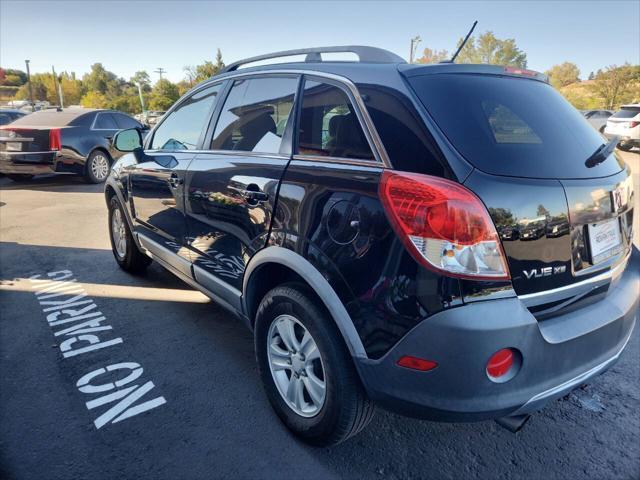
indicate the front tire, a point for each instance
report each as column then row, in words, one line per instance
column 97, row 167
column 306, row 369
column 625, row 146
column 123, row 246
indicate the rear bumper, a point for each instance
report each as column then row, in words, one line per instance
column 28, row 163
column 558, row 355
column 623, row 138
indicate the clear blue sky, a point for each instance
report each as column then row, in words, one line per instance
column 132, row 36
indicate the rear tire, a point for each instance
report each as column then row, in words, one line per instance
column 345, row 409
column 124, row 248
column 19, row 177
column 97, row 167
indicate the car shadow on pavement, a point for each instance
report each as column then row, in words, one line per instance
column 52, row 183
column 591, row 433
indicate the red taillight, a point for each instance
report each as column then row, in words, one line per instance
column 500, row 363
column 443, row 225
column 632, row 124
column 416, row 363
column 55, row 142
column 521, row 71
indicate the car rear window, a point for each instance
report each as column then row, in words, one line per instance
column 47, row 119
column 627, row 112
column 512, row 126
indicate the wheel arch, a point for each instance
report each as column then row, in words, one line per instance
column 272, row 266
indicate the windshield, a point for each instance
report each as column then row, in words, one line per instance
column 627, row 112
column 512, row 126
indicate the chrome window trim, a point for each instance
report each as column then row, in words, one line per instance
column 340, row 160
column 575, row 289
column 373, row 138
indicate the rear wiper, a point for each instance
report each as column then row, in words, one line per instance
column 601, row 154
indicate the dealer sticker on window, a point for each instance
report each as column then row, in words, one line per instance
column 604, row 240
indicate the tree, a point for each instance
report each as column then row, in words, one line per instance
column 98, row 79
column 433, row 56
column 94, row 99
column 219, row 63
column 71, row 88
column 617, row 85
column 591, row 76
column 199, row 73
column 142, row 77
column 492, row 50
column 12, row 78
column 563, row 74
column 163, row 95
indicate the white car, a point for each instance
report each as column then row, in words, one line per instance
column 625, row 124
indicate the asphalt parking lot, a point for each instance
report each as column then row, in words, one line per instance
column 193, row 406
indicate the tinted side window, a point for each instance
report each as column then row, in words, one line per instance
column 105, row 121
column 5, row 118
column 181, row 129
column 407, row 141
column 124, row 121
column 255, row 115
column 329, row 126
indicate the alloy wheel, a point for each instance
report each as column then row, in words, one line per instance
column 100, row 167
column 296, row 366
column 119, row 233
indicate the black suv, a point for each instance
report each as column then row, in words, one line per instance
column 348, row 213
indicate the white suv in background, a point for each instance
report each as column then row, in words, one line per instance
column 625, row 123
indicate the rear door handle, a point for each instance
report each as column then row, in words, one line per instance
column 174, row 180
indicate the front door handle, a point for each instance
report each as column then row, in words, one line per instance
column 254, row 196
column 174, row 180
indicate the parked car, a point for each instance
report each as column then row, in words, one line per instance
column 9, row 115
column 625, row 124
column 75, row 140
column 510, row 232
column 597, row 118
column 358, row 244
column 533, row 229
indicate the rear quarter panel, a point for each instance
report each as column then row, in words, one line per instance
column 330, row 214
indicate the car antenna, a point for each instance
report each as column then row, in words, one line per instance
column 464, row 42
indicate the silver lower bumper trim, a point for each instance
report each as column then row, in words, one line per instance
column 538, row 401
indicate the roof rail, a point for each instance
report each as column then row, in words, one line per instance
column 313, row 55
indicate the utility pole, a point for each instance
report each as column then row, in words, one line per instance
column 29, row 83
column 160, row 71
column 414, row 44
column 57, row 86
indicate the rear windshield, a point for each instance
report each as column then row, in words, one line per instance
column 627, row 112
column 47, row 119
column 512, row 126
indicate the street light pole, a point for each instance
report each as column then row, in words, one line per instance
column 29, row 83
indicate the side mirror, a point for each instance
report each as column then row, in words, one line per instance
column 127, row 140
